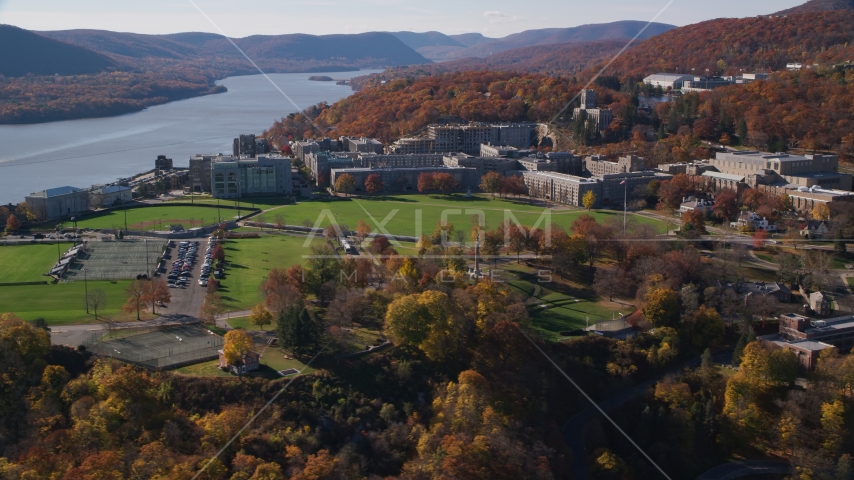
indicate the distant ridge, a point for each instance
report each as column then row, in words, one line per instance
column 483, row 47
column 819, row 6
column 23, row 52
column 359, row 50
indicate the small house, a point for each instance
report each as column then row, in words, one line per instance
column 250, row 362
column 752, row 221
column 816, row 229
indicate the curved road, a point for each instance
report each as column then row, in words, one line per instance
column 742, row 469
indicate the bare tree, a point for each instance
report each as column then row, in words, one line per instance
column 96, row 299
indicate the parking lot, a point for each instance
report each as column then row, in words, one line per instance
column 187, row 295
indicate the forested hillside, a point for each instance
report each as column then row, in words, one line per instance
column 23, row 52
column 404, row 106
column 727, row 46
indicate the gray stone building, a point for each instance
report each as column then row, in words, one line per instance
column 265, row 175
column 56, row 203
column 598, row 165
column 101, row 197
column 200, row 173
column 405, row 180
column 363, row 145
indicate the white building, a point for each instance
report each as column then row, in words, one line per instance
column 668, row 81
column 109, row 196
column 747, row 220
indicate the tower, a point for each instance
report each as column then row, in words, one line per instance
column 588, row 99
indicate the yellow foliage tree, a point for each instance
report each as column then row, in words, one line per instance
column 237, row 344
column 588, row 200
column 260, row 316
column 821, row 212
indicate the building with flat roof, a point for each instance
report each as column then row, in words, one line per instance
column 406, row 179
column 265, row 175
column 598, row 165
column 808, row 337
column 303, row 148
column 559, row 187
column 163, row 164
column 668, row 81
column 363, row 145
column 101, row 197
column 200, row 172
column 782, row 169
column 469, row 138
column 490, row 150
column 322, row 163
column 55, row 203
column 406, row 146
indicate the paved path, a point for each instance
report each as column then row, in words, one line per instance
column 740, row 469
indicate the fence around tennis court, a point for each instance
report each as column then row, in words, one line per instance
column 167, row 348
column 117, row 260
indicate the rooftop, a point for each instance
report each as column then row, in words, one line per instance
column 55, row 192
column 724, row 176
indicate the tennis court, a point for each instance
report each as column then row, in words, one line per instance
column 118, row 260
column 166, row 348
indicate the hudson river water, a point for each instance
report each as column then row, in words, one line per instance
column 80, row 153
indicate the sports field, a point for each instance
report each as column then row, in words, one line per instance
column 63, row 304
column 262, row 203
column 158, row 217
column 249, row 260
column 416, row 214
column 27, row 263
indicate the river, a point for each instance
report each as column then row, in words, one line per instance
column 84, row 152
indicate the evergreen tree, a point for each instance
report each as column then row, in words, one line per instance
column 747, row 337
column 286, row 328
column 742, row 132
column 297, row 330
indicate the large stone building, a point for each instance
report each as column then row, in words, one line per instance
column 55, row 203
column 109, row 196
column 363, row 145
column 781, row 169
column 200, row 173
column 601, row 117
column 598, row 165
column 469, row 138
column 163, row 164
column 303, row 148
column 407, row 146
column 265, row 175
column 807, row 338
column 322, row 163
column 405, row 180
column 570, row 189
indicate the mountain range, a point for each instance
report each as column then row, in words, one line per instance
column 440, row 47
column 23, row 52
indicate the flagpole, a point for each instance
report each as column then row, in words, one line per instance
column 625, row 204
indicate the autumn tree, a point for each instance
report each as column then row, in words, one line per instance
column 609, row 282
column 694, row 220
column 491, row 183
column 513, row 185
column 374, row 184
column 707, row 328
column 726, row 205
column 156, row 291
column 12, row 224
column 820, row 212
column 662, row 307
column 444, row 182
column 212, row 307
column 426, row 182
column 135, row 292
column 260, row 316
column 345, row 183
column 759, row 238
column 218, row 253
column 517, row 239
column 589, row 200
column 237, row 344
column 363, row 229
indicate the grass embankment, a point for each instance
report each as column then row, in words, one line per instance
column 250, row 260
column 414, row 214
column 27, row 263
column 158, row 217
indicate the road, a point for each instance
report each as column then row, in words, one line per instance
column 740, row 469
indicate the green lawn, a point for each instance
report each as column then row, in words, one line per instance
column 158, row 217
column 62, row 304
column 419, row 213
column 563, row 312
column 248, row 262
column 245, row 324
column 27, row 263
column 273, row 361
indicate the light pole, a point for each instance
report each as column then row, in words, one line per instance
column 86, row 290
column 145, row 245
column 625, row 204
column 126, row 220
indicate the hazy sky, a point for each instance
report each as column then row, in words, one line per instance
column 493, row 18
